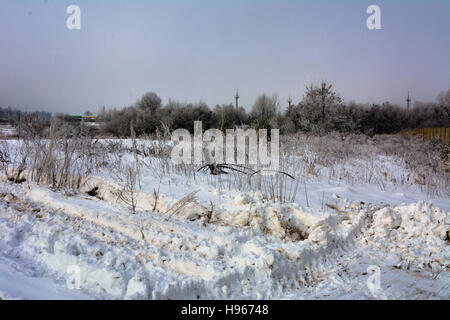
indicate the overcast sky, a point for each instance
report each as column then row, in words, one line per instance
column 203, row 50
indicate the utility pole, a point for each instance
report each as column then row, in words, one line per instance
column 408, row 101
column 237, row 101
column 290, row 105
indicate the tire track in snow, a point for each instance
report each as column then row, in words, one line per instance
column 191, row 260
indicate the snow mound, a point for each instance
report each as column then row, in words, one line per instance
column 244, row 210
column 387, row 218
column 418, row 232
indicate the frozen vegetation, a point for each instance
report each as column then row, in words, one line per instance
column 132, row 225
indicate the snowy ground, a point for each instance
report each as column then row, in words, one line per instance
column 227, row 244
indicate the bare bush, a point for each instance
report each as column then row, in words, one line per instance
column 128, row 193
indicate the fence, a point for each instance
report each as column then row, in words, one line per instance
column 429, row 133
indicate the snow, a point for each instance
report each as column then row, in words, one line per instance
column 225, row 243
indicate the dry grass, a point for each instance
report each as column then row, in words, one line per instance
column 66, row 160
column 180, row 204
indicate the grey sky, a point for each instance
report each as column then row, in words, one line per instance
column 196, row 50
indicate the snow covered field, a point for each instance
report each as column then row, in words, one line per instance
column 363, row 226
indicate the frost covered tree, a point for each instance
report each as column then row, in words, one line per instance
column 444, row 98
column 264, row 109
column 322, row 97
column 149, row 102
column 311, row 114
column 226, row 117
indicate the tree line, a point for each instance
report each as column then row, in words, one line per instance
column 322, row 110
column 14, row 116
